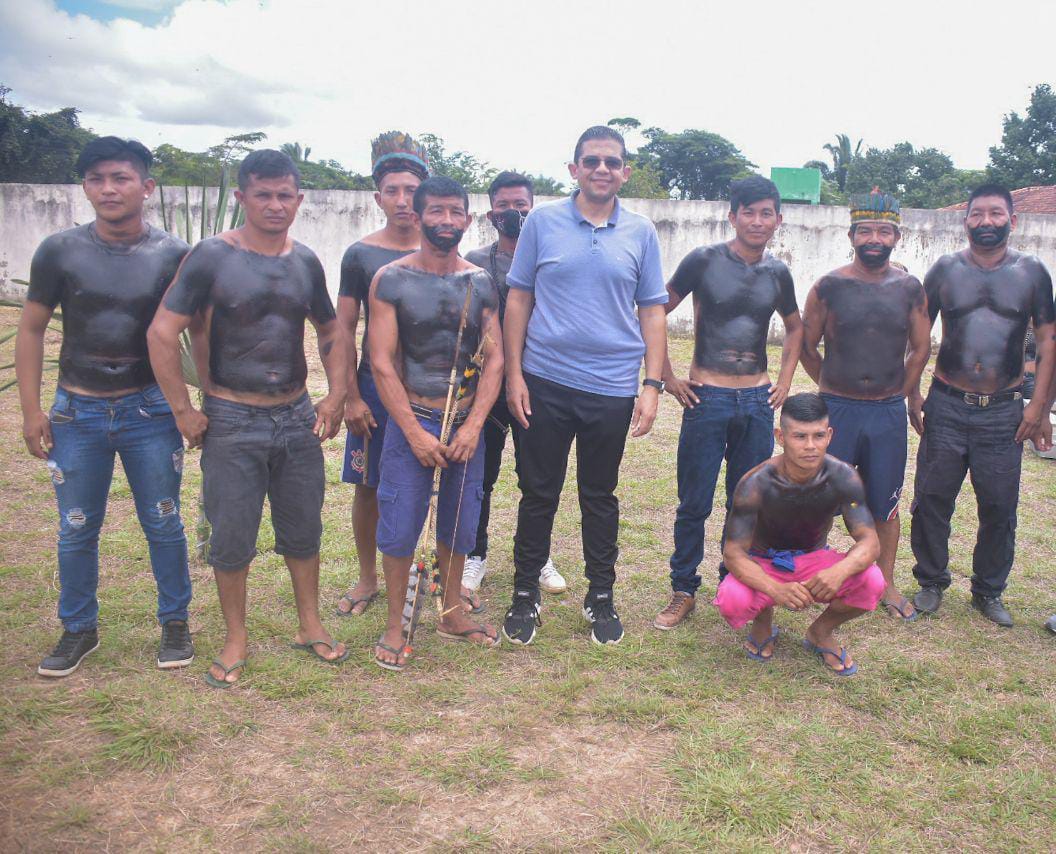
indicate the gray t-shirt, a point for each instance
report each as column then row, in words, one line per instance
column 497, row 263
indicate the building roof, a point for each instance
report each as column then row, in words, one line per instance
column 1025, row 200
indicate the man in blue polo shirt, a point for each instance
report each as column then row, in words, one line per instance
column 574, row 347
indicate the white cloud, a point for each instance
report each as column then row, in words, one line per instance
column 144, row 5
column 515, row 84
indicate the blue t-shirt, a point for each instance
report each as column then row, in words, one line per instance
column 587, row 280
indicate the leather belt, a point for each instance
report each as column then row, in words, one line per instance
column 436, row 414
column 973, row 399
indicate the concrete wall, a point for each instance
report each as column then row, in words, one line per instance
column 812, row 240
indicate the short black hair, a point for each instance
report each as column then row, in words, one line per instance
column 439, row 187
column 599, row 132
column 267, row 163
column 748, row 191
column 115, row 148
column 510, row 179
column 990, row 190
column 807, row 407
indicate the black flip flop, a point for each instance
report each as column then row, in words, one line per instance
column 353, row 601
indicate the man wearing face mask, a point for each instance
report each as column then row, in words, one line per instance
column 874, row 319
column 511, row 198
column 398, row 165
column 974, row 419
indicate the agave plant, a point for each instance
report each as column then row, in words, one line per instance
column 178, row 220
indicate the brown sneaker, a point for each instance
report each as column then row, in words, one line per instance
column 680, row 607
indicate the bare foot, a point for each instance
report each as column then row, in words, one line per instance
column 233, row 650
column 392, row 638
column 459, row 625
column 897, row 605
column 358, row 599
column 827, row 641
column 470, row 600
column 322, row 642
column 762, row 639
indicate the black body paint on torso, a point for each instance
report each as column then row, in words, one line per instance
column 778, row 513
column 428, row 313
column 498, row 266
column 733, row 303
column 108, row 294
column 359, row 266
column 985, row 315
column 256, row 306
column 866, row 333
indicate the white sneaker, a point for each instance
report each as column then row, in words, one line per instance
column 473, row 574
column 549, row 578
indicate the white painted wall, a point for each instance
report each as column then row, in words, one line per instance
column 812, row 240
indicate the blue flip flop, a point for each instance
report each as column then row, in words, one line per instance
column 821, row 652
column 757, row 655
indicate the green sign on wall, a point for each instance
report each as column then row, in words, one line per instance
column 797, row 185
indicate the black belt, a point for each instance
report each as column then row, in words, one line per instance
column 973, row 399
column 436, row 414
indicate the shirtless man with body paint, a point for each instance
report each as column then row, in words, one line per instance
column 398, row 166
column 776, row 534
column 107, row 277
column 417, row 305
column 874, row 321
column 729, row 401
column 974, row 419
column 259, row 432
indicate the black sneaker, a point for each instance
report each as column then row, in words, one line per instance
column 176, row 649
column 928, row 600
column 522, row 619
column 600, row 610
column 68, row 653
column 993, row 609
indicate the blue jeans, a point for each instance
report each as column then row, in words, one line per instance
column 87, row 432
column 735, row 423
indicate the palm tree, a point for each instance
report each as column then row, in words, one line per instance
column 842, row 155
column 297, row 154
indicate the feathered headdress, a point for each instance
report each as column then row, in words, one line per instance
column 875, row 207
column 397, row 151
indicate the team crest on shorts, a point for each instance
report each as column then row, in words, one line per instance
column 356, row 461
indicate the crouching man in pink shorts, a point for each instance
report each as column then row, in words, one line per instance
column 776, row 535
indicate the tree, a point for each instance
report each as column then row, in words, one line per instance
column 842, row 158
column 39, row 148
column 1026, row 156
column 297, row 154
column 545, row 186
column 924, row 178
column 696, row 164
column 473, row 174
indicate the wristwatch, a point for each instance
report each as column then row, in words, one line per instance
column 659, row 385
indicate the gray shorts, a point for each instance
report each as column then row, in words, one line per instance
column 253, row 451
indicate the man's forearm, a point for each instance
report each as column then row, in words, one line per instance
column 515, row 329
column 332, row 356
column 487, row 390
column 746, row 570
column 29, row 368
column 392, row 393
column 790, row 354
column 915, row 363
column 1045, row 366
column 653, row 322
column 165, row 361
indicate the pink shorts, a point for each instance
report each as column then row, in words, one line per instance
column 738, row 603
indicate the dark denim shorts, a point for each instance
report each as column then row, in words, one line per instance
column 871, row 436
column 403, row 495
column 362, row 453
column 251, row 452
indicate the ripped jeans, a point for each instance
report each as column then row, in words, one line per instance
column 87, row 432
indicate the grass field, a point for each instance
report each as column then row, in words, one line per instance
column 671, row 741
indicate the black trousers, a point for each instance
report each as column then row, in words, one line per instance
column 599, row 425
column 958, row 439
column 499, row 422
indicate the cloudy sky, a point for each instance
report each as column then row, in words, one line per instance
column 514, row 83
